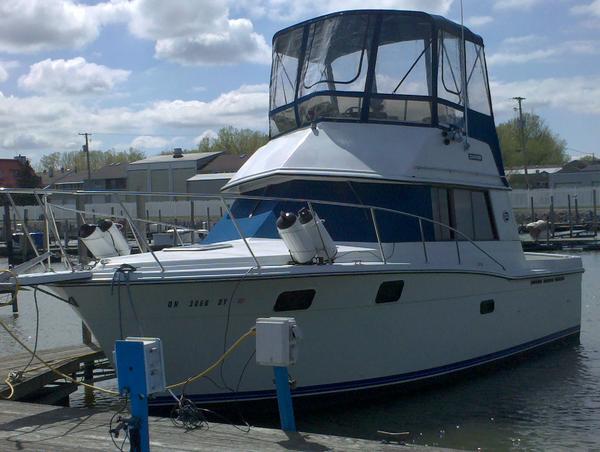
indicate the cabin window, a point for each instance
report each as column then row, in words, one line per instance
column 477, row 82
column 282, row 121
column 389, row 292
column 336, row 55
column 403, row 67
column 295, row 300
column 467, row 211
column 286, row 53
column 449, row 73
column 472, row 215
column 440, row 205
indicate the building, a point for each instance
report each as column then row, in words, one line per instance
column 538, row 176
column 166, row 173
column 63, row 179
column 212, row 177
column 577, row 173
column 17, row 173
column 110, row 177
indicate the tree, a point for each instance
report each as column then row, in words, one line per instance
column 231, row 141
column 543, row 147
column 76, row 160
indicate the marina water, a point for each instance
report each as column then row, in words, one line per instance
column 550, row 401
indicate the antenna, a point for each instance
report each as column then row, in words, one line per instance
column 465, row 96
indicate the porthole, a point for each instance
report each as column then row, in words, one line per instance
column 486, row 307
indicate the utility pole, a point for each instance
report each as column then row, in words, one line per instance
column 522, row 136
column 86, row 149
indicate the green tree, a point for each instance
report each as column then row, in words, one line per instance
column 231, row 140
column 543, row 147
column 76, row 160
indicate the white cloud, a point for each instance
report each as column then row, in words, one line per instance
column 75, row 76
column 515, row 4
column 286, row 10
column 197, row 32
column 149, row 142
column 575, row 94
column 157, row 19
column 5, row 66
column 38, row 25
column 511, row 55
column 234, row 43
column 29, row 123
column 591, row 8
column 478, row 21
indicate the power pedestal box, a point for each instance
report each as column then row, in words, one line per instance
column 129, row 367
column 277, row 341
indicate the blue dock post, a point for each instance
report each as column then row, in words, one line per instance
column 131, row 375
column 140, row 371
column 284, row 399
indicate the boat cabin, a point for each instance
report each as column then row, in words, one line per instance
column 368, row 107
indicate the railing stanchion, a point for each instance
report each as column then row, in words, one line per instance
column 136, row 234
column 48, row 212
column 377, row 235
column 239, row 231
column 457, row 251
column 423, row 240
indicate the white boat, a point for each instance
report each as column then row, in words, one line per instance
column 368, row 130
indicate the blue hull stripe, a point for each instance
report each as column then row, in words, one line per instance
column 381, row 381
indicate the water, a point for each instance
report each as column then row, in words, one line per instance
column 549, row 402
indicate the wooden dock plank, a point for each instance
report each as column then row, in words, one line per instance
column 65, row 359
column 27, row 427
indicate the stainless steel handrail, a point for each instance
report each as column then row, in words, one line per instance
column 222, row 197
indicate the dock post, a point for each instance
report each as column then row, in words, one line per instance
column 576, row 210
column 284, row 399
column 570, row 216
column 551, row 225
column 532, row 211
column 594, row 226
column 139, row 364
column 192, row 215
column 140, row 213
column 208, row 218
column 8, row 234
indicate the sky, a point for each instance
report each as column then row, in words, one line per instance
column 156, row 74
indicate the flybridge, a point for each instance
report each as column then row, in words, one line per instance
column 389, row 67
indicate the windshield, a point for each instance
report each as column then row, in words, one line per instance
column 375, row 66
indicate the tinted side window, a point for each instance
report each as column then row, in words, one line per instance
column 295, row 300
column 389, row 292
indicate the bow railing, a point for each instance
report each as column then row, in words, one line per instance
column 137, row 225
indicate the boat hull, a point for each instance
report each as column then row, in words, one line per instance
column 440, row 325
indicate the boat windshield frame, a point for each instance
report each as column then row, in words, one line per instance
column 354, row 91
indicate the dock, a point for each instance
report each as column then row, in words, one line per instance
column 29, row 427
column 41, row 384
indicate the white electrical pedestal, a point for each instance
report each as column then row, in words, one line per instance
column 277, row 341
column 277, row 346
